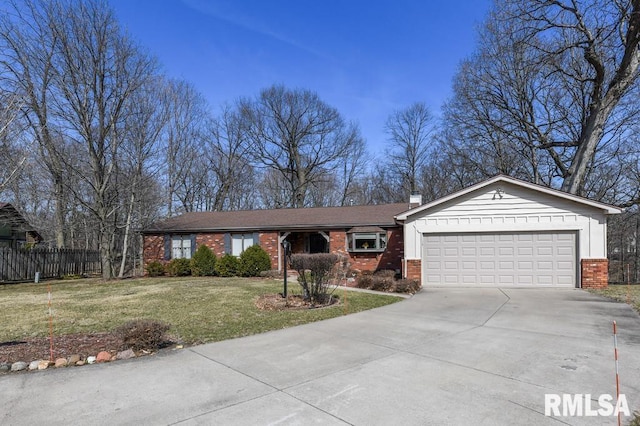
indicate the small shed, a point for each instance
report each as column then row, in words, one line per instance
column 505, row 232
column 15, row 231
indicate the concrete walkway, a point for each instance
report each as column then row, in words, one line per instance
column 445, row 356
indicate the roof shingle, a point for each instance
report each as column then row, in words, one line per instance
column 282, row 219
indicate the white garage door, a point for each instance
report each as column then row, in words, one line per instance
column 500, row 259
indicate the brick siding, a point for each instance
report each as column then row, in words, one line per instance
column 414, row 270
column 269, row 242
column 152, row 249
column 391, row 258
column 595, row 273
column 214, row 241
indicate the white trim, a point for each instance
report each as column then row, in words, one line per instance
column 608, row 209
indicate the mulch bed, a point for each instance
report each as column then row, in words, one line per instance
column 275, row 302
column 85, row 345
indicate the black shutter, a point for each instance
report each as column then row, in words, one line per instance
column 167, row 247
column 227, row 243
column 256, row 238
column 193, row 244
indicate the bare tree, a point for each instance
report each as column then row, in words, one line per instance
column 297, row 135
column 145, row 120
column 28, row 44
column 554, row 79
column 186, row 118
column 228, row 155
column 409, row 131
column 98, row 70
column 12, row 154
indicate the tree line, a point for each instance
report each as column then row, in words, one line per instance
column 97, row 143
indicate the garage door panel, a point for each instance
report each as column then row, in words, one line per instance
column 506, row 279
column 451, row 252
column 524, row 251
column 565, row 251
column 506, row 251
column 528, row 265
column 433, row 252
column 545, row 251
column 469, row 251
column 524, row 280
column 501, row 259
column 487, row 251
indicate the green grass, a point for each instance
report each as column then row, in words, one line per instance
column 199, row 310
column 624, row 293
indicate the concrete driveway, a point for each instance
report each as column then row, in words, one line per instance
column 445, row 356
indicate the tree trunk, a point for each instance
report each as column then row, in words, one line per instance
column 589, row 140
column 127, row 229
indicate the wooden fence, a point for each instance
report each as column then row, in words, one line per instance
column 22, row 264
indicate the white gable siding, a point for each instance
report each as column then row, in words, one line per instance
column 503, row 206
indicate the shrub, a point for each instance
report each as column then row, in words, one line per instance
column 314, row 274
column 203, row 262
column 143, row 334
column 635, row 421
column 253, row 261
column 155, row 269
column 385, row 273
column 382, row 283
column 364, row 281
column 179, row 267
column 227, row 266
column 406, row 285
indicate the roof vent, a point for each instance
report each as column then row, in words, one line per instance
column 415, row 200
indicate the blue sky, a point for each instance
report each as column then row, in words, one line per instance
column 366, row 58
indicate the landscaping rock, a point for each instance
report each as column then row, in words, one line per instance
column 44, row 364
column 91, row 359
column 103, row 356
column 80, row 363
column 33, row 365
column 19, row 366
column 73, row 359
column 128, row 354
column 61, row 362
column 5, row 366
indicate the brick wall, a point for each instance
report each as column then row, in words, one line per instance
column 391, row 258
column 214, row 241
column 152, row 249
column 269, row 242
column 414, row 269
column 594, row 273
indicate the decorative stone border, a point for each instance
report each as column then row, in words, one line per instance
column 73, row 360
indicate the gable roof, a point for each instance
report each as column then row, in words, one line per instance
column 282, row 219
column 10, row 216
column 606, row 208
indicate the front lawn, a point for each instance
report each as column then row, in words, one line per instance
column 199, row 310
column 623, row 293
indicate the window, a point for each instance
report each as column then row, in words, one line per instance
column 240, row 242
column 367, row 241
column 181, row 247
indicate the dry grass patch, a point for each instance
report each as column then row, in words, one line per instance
column 623, row 293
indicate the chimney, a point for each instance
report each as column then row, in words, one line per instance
column 415, row 200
